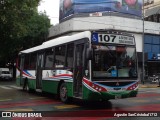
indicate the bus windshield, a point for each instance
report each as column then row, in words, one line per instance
column 114, row 61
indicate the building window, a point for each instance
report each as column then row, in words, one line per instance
column 151, row 46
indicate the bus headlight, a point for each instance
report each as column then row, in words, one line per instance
column 132, row 87
column 98, row 88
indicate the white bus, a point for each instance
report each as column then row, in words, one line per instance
column 91, row 65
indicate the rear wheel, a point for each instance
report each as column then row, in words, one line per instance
column 63, row 93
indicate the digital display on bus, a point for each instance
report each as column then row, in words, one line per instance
column 112, row 38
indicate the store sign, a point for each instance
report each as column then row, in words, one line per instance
column 113, row 39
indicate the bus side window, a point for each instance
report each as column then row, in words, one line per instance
column 70, row 52
column 49, row 58
column 26, row 61
column 33, row 61
column 18, row 64
column 60, row 56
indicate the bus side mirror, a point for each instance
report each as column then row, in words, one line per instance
column 89, row 54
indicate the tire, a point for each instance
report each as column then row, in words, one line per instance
column 63, row 93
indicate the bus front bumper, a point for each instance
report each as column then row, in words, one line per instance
column 112, row 95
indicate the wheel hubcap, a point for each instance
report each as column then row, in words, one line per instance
column 63, row 92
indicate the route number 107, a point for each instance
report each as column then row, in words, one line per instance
column 107, row 38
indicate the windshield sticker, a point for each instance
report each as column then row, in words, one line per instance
column 114, row 73
column 95, row 37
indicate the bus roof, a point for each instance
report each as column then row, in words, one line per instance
column 58, row 41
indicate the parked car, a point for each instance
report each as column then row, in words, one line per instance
column 5, row 74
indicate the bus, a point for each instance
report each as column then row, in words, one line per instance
column 90, row 65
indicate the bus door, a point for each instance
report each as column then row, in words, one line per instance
column 21, row 69
column 40, row 62
column 78, row 69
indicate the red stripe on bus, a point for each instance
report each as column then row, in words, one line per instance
column 62, row 75
column 26, row 74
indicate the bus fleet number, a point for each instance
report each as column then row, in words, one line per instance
column 107, row 38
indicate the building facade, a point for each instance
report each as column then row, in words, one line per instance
column 152, row 41
column 152, row 10
column 121, row 22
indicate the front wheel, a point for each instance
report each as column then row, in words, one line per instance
column 63, row 93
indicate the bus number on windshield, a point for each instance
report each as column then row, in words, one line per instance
column 107, row 38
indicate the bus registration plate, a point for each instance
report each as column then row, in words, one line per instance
column 117, row 96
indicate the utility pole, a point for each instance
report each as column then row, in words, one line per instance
column 143, row 60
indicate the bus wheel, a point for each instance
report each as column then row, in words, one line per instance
column 63, row 93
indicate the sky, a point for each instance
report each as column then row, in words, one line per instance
column 51, row 7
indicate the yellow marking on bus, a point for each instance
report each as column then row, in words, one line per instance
column 139, row 100
column 66, row 106
column 20, row 110
column 1, row 100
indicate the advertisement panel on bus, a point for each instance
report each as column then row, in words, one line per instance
column 69, row 7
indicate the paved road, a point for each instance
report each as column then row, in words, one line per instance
column 12, row 98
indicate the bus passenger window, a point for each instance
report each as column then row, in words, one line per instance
column 60, row 56
column 33, row 61
column 26, row 61
column 49, row 58
column 70, row 50
column 18, row 63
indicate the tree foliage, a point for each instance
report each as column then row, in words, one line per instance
column 21, row 27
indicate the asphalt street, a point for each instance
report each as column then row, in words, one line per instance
column 13, row 98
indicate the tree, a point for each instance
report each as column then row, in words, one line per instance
column 37, row 30
column 21, row 27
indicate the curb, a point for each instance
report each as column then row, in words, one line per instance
column 149, row 86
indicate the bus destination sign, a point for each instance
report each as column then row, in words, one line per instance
column 112, row 38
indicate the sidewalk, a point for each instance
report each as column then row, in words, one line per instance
column 149, row 85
